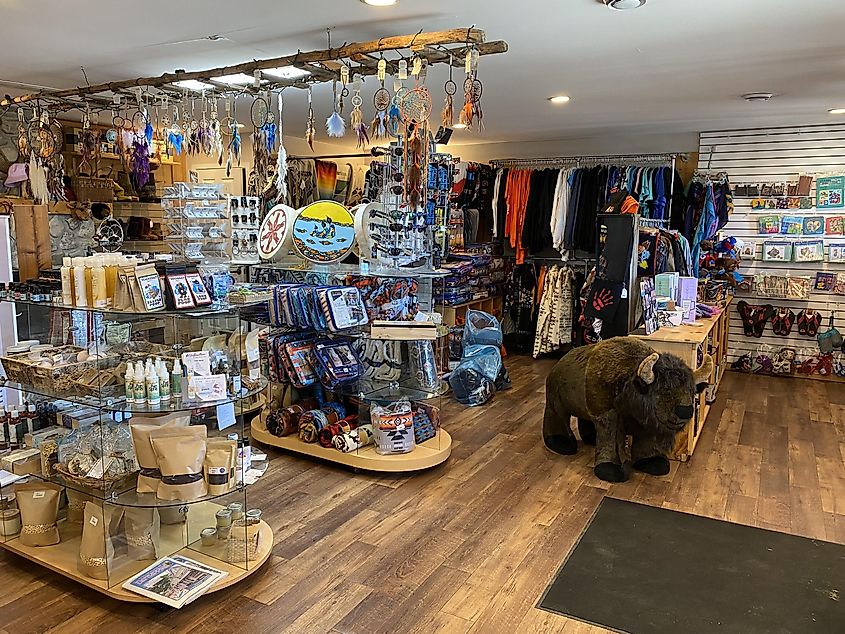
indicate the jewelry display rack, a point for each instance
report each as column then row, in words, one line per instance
column 86, row 393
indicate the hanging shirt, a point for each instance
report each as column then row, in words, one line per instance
column 519, row 186
column 496, row 186
column 560, row 208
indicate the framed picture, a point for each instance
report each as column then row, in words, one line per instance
column 650, row 318
column 836, row 252
column 151, row 289
column 777, row 251
column 748, row 251
column 808, row 251
column 181, row 293
column 814, row 225
column 768, row 224
column 834, row 225
column 830, row 192
column 198, row 289
column 824, row 281
column 792, row 225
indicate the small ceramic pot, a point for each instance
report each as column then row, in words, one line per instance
column 208, row 536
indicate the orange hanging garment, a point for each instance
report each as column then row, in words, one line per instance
column 516, row 196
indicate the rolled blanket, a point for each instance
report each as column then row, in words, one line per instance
column 288, row 421
column 311, row 422
column 326, row 435
column 354, row 440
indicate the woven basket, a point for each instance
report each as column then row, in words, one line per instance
column 243, row 542
column 125, row 482
column 57, row 379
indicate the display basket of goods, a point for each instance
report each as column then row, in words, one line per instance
column 96, row 382
column 52, row 368
column 98, row 457
column 324, row 232
column 244, row 539
column 93, row 189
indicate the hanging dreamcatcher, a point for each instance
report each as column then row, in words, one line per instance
column 139, row 152
column 215, row 133
column 42, row 147
column 394, row 113
column 234, row 146
column 357, row 117
column 281, row 161
column 309, row 126
column 175, row 138
column 447, row 117
column 262, row 144
column 381, row 102
column 335, row 125
column 473, row 89
column 415, row 110
column 88, row 144
column 23, row 140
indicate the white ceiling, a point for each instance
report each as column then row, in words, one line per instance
column 672, row 66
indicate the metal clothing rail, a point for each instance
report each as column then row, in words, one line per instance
column 597, row 159
column 374, row 152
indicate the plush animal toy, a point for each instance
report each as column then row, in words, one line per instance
column 620, row 387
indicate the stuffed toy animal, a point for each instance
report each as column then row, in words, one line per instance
column 616, row 388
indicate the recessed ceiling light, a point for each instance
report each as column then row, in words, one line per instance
column 459, row 126
column 287, row 72
column 624, row 5
column 193, row 84
column 237, row 79
column 380, row 3
column 559, row 99
column 757, row 96
column 836, row 111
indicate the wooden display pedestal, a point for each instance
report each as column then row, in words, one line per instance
column 62, row 557
column 454, row 314
column 684, row 341
column 429, row 454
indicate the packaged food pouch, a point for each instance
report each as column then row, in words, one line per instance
column 180, row 453
column 76, row 505
column 219, row 467
column 96, row 550
column 39, row 506
column 150, row 476
column 143, row 531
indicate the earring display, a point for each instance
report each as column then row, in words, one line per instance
column 196, row 218
column 245, row 225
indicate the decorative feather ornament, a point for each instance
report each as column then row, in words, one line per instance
column 38, row 180
column 148, row 132
column 447, row 117
column 281, row 161
column 378, row 126
column 335, row 125
column 140, row 164
column 357, row 117
column 309, row 126
column 394, row 118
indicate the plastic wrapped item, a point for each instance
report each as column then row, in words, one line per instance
column 482, row 329
column 393, row 426
column 100, row 453
column 485, row 359
column 470, row 386
column 423, row 364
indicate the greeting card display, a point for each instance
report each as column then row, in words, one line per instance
column 809, row 251
column 777, row 251
column 830, row 192
column 792, row 225
column 768, row 224
column 834, row 225
column 814, row 225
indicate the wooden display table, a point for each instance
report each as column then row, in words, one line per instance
column 711, row 337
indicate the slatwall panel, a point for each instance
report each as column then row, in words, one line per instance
column 776, row 155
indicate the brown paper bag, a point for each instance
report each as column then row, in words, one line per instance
column 96, row 550
column 143, row 531
column 76, row 505
column 39, row 506
column 150, row 476
column 171, row 515
column 180, row 453
column 219, row 465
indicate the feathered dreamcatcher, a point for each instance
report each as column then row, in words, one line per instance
column 281, row 161
column 335, row 125
column 447, row 117
column 357, row 117
column 394, row 114
column 473, row 89
column 415, row 110
column 309, row 126
column 174, row 133
column 381, row 102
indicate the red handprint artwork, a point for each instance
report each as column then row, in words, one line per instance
column 602, row 299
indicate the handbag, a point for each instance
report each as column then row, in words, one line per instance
column 830, row 339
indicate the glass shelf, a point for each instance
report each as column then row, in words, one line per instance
column 371, row 390
column 119, row 404
column 303, row 266
column 194, row 313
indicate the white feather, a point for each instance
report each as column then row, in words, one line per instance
column 335, row 125
column 281, row 162
column 38, row 181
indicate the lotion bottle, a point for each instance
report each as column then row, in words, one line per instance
column 153, row 396
column 98, row 283
column 176, row 379
column 140, row 384
column 88, row 263
column 163, row 382
column 79, row 293
column 130, row 383
column 67, row 281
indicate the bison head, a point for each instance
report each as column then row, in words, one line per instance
column 663, row 392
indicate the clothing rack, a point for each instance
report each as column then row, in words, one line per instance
column 590, row 160
column 376, row 151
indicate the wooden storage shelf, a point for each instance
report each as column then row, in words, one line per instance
column 684, row 341
column 451, row 314
column 429, row 454
column 62, row 557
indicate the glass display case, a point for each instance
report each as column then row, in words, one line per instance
column 128, row 432
column 355, row 376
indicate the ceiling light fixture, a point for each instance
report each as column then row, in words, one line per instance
column 836, row 111
column 380, row 3
column 237, row 79
column 757, row 96
column 287, row 72
column 193, row 84
column 559, row 99
column 459, row 126
column 624, row 5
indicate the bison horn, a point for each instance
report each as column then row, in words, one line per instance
column 702, row 375
column 646, row 369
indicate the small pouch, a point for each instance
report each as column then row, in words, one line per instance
column 342, row 307
column 830, row 339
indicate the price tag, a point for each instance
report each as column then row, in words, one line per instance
column 37, row 495
column 225, row 415
column 93, row 521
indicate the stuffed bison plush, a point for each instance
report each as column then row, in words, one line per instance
column 616, row 388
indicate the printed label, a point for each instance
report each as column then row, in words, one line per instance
column 93, row 521
column 37, row 495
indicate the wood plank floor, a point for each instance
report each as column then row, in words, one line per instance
column 471, row 545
